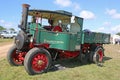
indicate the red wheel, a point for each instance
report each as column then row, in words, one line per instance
column 98, row 55
column 37, row 61
column 15, row 58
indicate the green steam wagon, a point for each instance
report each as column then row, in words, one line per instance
column 47, row 36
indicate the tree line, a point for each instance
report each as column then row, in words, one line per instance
column 118, row 33
column 3, row 28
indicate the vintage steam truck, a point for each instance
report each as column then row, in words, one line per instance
column 47, row 36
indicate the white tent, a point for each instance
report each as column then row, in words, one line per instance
column 115, row 39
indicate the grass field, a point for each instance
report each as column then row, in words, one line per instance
column 5, row 41
column 73, row 71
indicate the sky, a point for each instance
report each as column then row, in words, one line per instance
column 99, row 15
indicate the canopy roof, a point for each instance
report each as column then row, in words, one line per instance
column 59, row 14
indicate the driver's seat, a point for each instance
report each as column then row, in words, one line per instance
column 57, row 29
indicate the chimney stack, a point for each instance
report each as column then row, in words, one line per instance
column 24, row 16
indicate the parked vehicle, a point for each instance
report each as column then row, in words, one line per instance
column 1, row 32
column 37, row 46
column 115, row 39
column 8, row 34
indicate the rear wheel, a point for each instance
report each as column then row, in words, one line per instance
column 37, row 61
column 98, row 55
column 14, row 57
column 83, row 57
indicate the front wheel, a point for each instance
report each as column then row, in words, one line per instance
column 37, row 61
column 14, row 57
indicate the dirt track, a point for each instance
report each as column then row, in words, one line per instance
column 4, row 49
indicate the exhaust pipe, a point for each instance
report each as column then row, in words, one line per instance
column 23, row 25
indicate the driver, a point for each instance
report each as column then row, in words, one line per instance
column 50, row 27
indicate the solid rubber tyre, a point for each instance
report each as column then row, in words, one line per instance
column 98, row 55
column 12, row 57
column 37, row 60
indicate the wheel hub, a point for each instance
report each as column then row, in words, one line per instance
column 98, row 56
column 18, row 57
column 40, row 62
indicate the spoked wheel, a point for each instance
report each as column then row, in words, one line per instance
column 14, row 57
column 98, row 55
column 37, row 61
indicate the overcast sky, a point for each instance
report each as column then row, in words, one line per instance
column 99, row 15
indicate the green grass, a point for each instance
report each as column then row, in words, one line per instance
column 74, row 70
column 5, row 41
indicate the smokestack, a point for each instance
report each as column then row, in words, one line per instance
column 24, row 16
